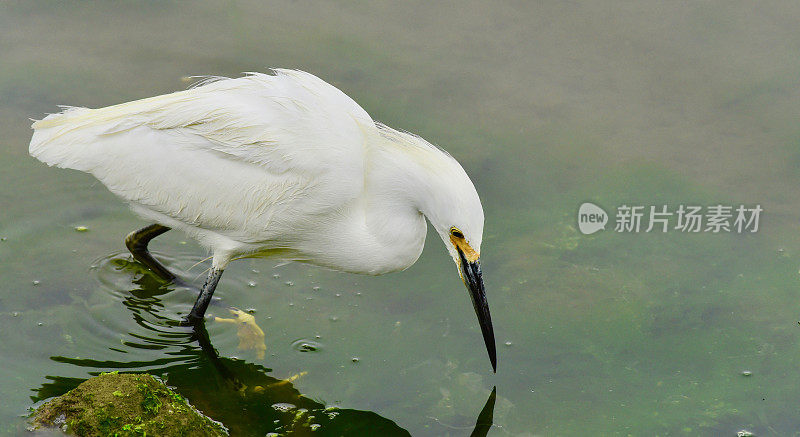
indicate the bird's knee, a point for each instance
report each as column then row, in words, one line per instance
column 131, row 241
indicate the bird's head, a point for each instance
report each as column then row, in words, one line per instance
column 458, row 219
column 437, row 186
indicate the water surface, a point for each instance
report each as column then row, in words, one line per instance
column 547, row 106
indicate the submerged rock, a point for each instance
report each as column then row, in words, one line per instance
column 125, row 405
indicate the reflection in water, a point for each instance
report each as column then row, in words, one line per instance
column 485, row 418
column 237, row 393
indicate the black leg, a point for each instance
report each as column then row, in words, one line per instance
column 137, row 244
column 201, row 304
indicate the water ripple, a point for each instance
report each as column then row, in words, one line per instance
column 305, row 345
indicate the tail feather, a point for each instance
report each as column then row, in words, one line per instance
column 52, row 143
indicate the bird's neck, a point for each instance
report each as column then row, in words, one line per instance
column 412, row 173
column 384, row 229
column 400, row 189
column 394, row 228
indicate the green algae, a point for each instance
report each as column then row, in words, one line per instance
column 123, row 405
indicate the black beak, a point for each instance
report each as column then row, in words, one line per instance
column 473, row 279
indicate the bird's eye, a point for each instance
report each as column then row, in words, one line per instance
column 456, row 233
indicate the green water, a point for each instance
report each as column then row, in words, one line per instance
column 547, row 106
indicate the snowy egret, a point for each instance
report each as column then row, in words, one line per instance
column 280, row 165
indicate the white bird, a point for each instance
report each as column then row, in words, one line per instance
column 282, row 166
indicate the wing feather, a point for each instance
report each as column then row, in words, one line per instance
column 229, row 155
column 240, row 117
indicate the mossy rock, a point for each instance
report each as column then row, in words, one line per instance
column 124, row 405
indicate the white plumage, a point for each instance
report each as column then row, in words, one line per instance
column 283, row 165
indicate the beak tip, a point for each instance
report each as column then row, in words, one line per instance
column 473, row 279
